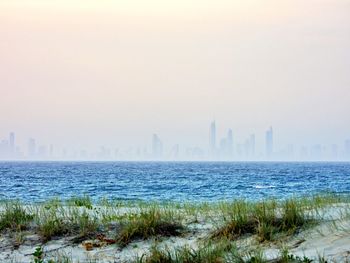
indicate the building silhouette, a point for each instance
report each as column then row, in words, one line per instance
column 347, row 148
column 31, row 148
column 174, row 152
column 157, row 147
column 212, row 139
column 229, row 142
column 223, row 148
column 12, row 143
column 269, row 142
column 252, row 145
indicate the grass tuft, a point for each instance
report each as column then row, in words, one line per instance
column 265, row 219
column 293, row 216
column 208, row 253
column 80, row 201
column 50, row 225
column 149, row 223
column 290, row 258
column 55, row 222
column 14, row 217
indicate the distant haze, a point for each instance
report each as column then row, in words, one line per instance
column 81, row 74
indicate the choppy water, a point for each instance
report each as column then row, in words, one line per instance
column 176, row 181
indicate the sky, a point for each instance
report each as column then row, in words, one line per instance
column 85, row 73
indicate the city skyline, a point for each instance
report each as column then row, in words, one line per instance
column 80, row 74
column 219, row 148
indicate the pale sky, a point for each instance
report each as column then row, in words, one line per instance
column 85, row 73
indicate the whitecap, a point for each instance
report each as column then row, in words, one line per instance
column 258, row 186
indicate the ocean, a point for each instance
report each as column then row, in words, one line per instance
column 170, row 181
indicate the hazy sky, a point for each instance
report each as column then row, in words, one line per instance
column 97, row 72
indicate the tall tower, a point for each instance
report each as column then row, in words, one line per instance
column 31, row 148
column 12, row 142
column 347, row 148
column 252, row 145
column 212, row 139
column 230, row 143
column 269, row 142
column 157, row 147
column 51, row 151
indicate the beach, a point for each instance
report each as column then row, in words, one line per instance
column 307, row 229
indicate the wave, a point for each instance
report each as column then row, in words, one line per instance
column 258, row 186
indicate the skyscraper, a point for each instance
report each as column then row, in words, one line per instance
column 212, row 139
column 157, row 147
column 12, row 142
column 252, row 145
column 223, row 148
column 269, row 142
column 229, row 141
column 42, row 152
column 347, row 148
column 51, row 151
column 174, row 153
column 31, row 148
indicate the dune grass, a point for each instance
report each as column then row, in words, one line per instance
column 14, row 217
column 220, row 252
column 58, row 221
column 208, row 253
column 127, row 222
column 149, row 223
column 49, row 226
column 263, row 219
column 80, row 201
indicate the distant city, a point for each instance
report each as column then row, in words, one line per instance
column 225, row 149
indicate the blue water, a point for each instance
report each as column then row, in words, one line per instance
column 170, row 181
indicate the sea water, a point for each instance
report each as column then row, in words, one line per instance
column 170, row 181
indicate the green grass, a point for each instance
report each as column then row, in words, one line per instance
column 223, row 251
column 126, row 222
column 208, row 253
column 14, row 217
column 80, row 201
column 57, row 221
column 290, row 258
column 50, row 224
column 149, row 223
column 264, row 219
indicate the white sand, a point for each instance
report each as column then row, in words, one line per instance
column 330, row 239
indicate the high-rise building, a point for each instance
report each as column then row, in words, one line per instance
column 229, row 142
column 51, row 151
column 212, row 139
column 174, row 153
column 304, row 153
column 252, row 145
column 316, row 152
column 334, row 151
column 246, row 148
column 290, row 151
column 347, row 148
column 12, row 143
column 269, row 142
column 223, row 148
column 4, row 146
column 42, row 152
column 31, row 148
column 157, row 147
